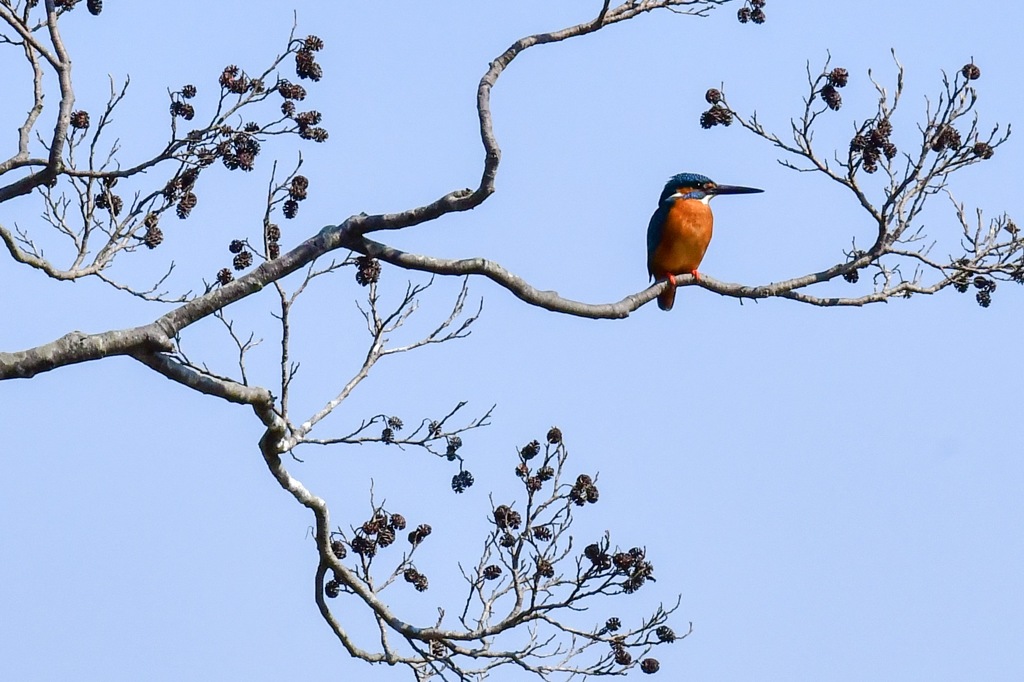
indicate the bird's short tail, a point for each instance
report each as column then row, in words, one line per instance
column 667, row 297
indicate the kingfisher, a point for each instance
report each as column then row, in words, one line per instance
column 680, row 230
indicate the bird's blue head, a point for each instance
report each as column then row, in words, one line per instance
column 699, row 187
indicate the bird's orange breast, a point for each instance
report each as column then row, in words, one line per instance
column 684, row 239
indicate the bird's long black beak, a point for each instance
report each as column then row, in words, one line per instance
column 734, row 189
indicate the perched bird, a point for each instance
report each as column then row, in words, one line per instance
column 680, row 230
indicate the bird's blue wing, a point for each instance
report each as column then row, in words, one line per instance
column 654, row 231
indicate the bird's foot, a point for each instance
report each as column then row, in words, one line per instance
column 696, row 275
column 672, row 279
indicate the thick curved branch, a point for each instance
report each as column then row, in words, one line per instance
column 219, row 387
column 549, row 300
column 467, row 199
column 335, row 625
column 78, row 347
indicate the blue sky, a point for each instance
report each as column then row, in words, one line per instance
column 835, row 493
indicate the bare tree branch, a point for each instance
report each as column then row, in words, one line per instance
column 528, row 590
